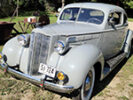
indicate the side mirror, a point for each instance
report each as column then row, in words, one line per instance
column 111, row 21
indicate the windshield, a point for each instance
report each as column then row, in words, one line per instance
column 69, row 14
column 85, row 15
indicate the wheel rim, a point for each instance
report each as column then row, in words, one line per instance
column 88, row 85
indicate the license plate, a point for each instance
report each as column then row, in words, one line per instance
column 47, row 70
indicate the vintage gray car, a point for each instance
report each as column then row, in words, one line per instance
column 82, row 48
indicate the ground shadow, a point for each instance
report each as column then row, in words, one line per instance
column 102, row 84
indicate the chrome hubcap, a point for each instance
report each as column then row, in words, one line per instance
column 88, row 83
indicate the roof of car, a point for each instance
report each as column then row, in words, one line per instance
column 100, row 6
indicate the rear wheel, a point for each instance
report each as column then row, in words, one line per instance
column 87, row 86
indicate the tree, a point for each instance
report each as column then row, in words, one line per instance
column 63, row 3
column 5, row 5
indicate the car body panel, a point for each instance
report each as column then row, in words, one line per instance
column 68, row 28
column 24, row 60
column 83, row 59
column 13, row 50
column 110, row 39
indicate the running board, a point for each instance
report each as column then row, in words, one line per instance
column 112, row 63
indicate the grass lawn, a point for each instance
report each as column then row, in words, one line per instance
column 1, row 46
column 130, row 19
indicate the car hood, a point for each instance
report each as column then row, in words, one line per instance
column 67, row 29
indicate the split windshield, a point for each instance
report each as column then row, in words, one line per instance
column 83, row 15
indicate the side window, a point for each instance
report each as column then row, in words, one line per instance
column 116, row 17
column 91, row 16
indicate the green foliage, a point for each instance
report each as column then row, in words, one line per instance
column 5, row 5
column 48, row 6
column 130, row 4
column 19, row 2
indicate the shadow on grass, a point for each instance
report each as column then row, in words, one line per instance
column 102, row 84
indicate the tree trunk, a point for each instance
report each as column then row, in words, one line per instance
column 17, row 7
column 63, row 3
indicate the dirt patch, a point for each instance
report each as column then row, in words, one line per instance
column 130, row 25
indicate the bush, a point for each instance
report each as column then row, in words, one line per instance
column 5, row 12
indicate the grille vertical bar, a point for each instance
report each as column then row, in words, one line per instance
column 39, row 47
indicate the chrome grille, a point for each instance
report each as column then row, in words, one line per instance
column 39, row 47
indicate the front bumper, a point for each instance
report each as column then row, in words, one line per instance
column 46, row 84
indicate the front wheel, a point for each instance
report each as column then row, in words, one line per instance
column 86, row 90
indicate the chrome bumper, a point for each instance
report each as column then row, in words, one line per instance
column 47, row 85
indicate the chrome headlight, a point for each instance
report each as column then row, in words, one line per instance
column 23, row 39
column 60, row 47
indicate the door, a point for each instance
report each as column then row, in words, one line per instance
column 113, row 37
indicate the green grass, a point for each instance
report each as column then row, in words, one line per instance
column 15, row 19
column 53, row 19
column 130, row 19
column 1, row 48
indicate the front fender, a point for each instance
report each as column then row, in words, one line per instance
column 12, row 49
column 77, row 62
